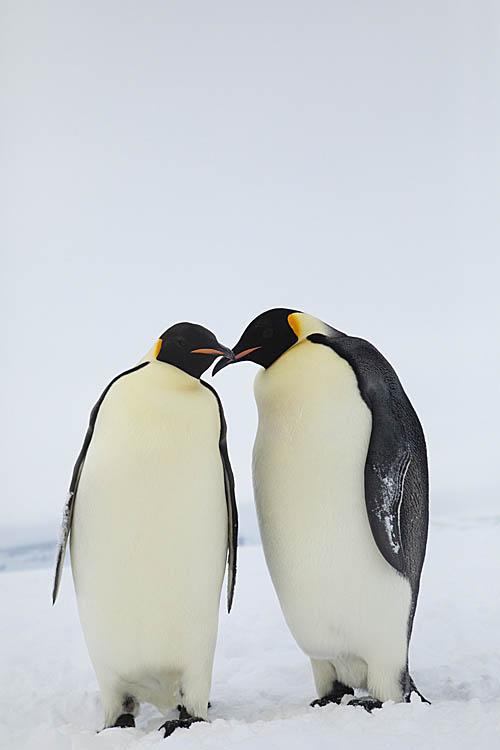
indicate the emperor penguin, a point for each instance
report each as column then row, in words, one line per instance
column 341, row 490
column 152, row 515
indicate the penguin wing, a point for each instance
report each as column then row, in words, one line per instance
column 396, row 474
column 73, row 487
column 232, row 511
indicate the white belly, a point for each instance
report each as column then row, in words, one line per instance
column 338, row 594
column 149, row 534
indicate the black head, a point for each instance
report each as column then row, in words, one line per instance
column 265, row 339
column 190, row 347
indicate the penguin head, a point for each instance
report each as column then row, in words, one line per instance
column 271, row 334
column 190, row 347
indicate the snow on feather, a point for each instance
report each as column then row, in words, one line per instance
column 391, row 495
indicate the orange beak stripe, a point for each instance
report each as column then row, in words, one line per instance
column 206, row 351
column 247, row 351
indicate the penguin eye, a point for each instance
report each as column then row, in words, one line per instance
column 267, row 333
column 179, row 342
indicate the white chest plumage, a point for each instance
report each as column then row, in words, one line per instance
column 334, row 586
column 149, row 534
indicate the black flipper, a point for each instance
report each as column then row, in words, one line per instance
column 396, row 476
column 232, row 511
column 63, row 540
column 75, row 478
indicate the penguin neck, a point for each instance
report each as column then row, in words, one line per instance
column 150, row 355
column 305, row 325
column 177, row 378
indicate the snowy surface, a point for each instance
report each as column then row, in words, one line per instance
column 262, row 682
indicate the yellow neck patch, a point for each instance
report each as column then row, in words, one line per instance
column 303, row 325
column 294, row 323
column 158, row 347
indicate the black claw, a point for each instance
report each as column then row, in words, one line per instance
column 173, row 724
column 367, row 703
column 124, row 721
column 413, row 689
column 422, row 698
column 335, row 695
column 324, row 701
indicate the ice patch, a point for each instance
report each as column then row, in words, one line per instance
column 390, row 501
column 66, row 520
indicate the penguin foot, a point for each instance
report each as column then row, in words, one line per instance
column 125, row 720
column 335, row 695
column 367, row 703
column 413, row 689
column 173, row 724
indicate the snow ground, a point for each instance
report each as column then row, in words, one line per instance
column 262, row 682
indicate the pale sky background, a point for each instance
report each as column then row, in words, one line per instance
column 204, row 161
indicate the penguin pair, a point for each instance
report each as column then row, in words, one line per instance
column 341, row 488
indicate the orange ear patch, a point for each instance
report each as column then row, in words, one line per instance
column 294, row 323
column 158, row 347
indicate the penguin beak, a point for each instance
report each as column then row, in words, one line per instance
column 237, row 357
column 222, row 351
